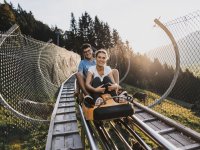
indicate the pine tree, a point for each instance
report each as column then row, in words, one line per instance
column 72, row 42
column 107, row 36
column 73, row 25
column 115, row 37
column 86, row 29
column 7, row 17
column 98, row 27
column 74, row 36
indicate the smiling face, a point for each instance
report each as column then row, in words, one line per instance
column 101, row 59
column 87, row 53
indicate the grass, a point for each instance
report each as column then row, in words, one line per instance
column 16, row 134
column 174, row 109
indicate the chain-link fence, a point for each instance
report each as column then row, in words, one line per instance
column 31, row 72
column 183, row 103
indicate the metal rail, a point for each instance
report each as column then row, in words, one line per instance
column 8, row 33
column 128, row 147
column 63, row 130
column 171, row 86
column 166, row 132
column 108, row 137
column 137, row 137
column 99, row 136
column 170, row 134
column 110, row 143
column 104, row 138
column 88, row 133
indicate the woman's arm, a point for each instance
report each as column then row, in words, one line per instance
column 99, row 89
column 88, row 82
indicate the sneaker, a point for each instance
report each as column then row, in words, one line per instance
column 89, row 101
column 99, row 101
column 120, row 99
column 129, row 98
column 125, row 96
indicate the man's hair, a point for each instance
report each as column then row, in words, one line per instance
column 84, row 46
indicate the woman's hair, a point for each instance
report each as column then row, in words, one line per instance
column 101, row 51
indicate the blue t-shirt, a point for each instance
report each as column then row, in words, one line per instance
column 84, row 66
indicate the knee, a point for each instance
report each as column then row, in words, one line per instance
column 96, row 79
column 115, row 71
column 107, row 79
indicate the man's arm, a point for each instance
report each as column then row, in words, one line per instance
column 81, row 79
column 80, row 67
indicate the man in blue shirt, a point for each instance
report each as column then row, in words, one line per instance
column 87, row 62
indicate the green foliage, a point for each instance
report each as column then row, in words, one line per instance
column 22, row 138
column 85, row 30
column 28, row 24
column 37, row 138
column 147, row 140
column 16, row 134
column 7, row 17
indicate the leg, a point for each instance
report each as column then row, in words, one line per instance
column 112, row 93
column 95, row 83
column 81, row 82
column 115, row 73
column 107, row 80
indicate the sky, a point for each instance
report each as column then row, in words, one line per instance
column 133, row 19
